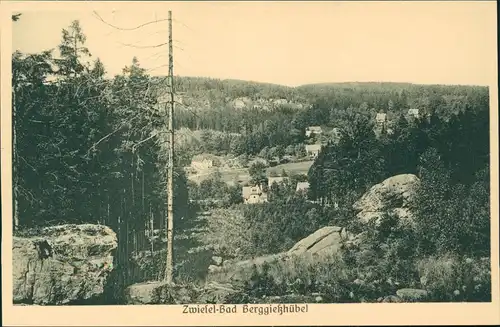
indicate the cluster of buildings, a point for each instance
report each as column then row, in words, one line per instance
column 381, row 117
column 257, row 194
column 313, row 150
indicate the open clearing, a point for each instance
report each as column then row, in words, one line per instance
column 241, row 176
column 230, row 176
column 293, row 167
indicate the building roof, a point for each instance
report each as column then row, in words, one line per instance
column 313, row 147
column 302, row 186
column 413, row 111
column 249, row 190
column 381, row 116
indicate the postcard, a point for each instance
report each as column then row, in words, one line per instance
column 249, row 163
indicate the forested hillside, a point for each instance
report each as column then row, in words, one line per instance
column 273, row 116
column 91, row 149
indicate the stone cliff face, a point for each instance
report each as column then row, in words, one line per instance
column 67, row 264
column 392, row 196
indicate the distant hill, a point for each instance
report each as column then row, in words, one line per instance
column 202, row 93
column 224, row 98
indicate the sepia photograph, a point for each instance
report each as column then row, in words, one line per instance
column 249, row 158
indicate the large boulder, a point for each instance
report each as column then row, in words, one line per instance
column 239, row 272
column 325, row 241
column 393, row 196
column 66, row 264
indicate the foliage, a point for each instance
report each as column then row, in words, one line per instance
column 452, row 217
column 384, row 262
column 257, row 173
column 451, row 278
column 344, row 171
column 229, row 234
column 216, row 190
column 89, row 149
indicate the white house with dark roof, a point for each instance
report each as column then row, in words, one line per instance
column 313, row 130
column 253, row 194
column 313, row 150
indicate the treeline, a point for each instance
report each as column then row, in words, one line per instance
column 451, row 208
column 207, row 106
column 89, row 149
column 272, row 139
column 450, row 157
column 444, row 249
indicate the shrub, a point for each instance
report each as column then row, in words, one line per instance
column 453, row 278
column 304, row 275
column 229, row 234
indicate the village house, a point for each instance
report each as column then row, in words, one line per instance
column 313, row 130
column 302, row 187
column 413, row 113
column 253, row 194
column 381, row 118
column 203, row 161
column 313, row 150
column 277, row 180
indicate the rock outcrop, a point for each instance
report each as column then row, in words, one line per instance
column 66, row 264
column 325, row 241
column 239, row 272
column 393, row 196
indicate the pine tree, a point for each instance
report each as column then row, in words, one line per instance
column 73, row 52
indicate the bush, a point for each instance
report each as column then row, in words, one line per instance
column 453, row 278
column 229, row 234
column 306, row 275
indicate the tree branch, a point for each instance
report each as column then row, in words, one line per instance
column 140, row 142
column 131, row 28
column 102, row 139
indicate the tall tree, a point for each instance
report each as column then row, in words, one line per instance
column 73, row 52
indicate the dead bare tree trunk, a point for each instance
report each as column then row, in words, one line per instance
column 15, row 162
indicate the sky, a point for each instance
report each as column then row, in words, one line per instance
column 289, row 43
